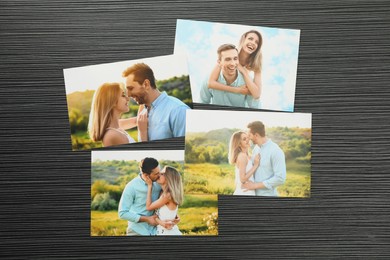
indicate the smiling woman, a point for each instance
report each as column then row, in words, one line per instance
column 108, row 104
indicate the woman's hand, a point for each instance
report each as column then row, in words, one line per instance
column 148, row 181
column 242, row 69
column 142, row 122
column 243, row 90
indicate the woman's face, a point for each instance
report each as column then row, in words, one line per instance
column 161, row 180
column 123, row 102
column 251, row 43
column 244, row 143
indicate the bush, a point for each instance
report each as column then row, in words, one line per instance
column 104, row 202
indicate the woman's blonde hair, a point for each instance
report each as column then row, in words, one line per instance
column 234, row 146
column 103, row 102
column 255, row 58
column 174, row 184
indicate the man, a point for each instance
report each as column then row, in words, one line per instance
column 166, row 114
column 272, row 170
column 132, row 205
column 229, row 76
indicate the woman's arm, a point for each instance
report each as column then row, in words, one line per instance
column 214, row 84
column 128, row 123
column 254, row 85
column 242, row 161
column 157, row 203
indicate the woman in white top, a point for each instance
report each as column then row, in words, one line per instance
column 109, row 102
column 238, row 156
column 168, row 203
column 249, row 57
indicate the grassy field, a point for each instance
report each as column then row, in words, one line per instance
column 192, row 218
column 219, row 179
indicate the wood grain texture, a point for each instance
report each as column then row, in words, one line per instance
column 343, row 79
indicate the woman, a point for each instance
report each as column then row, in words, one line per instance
column 249, row 56
column 168, row 203
column 109, row 102
column 238, row 156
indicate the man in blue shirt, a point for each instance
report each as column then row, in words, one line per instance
column 272, row 170
column 166, row 114
column 232, row 79
column 132, row 205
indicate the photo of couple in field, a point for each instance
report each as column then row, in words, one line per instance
column 249, row 153
column 145, row 193
column 126, row 102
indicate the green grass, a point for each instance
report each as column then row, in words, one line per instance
column 191, row 213
column 209, row 178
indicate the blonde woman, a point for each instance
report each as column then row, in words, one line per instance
column 249, row 57
column 168, row 203
column 109, row 102
column 238, row 156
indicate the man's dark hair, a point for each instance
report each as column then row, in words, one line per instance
column 148, row 164
column 257, row 127
column 141, row 71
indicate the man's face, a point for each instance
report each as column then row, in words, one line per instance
column 155, row 174
column 135, row 90
column 229, row 62
column 251, row 136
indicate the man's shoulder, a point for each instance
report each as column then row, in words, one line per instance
column 175, row 102
column 134, row 182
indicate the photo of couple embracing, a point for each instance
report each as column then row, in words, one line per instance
column 150, row 201
column 123, row 102
column 261, row 173
column 146, row 193
column 249, row 153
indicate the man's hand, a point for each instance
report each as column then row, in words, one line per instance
column 249, row 185
column 176, row 220
column 151, row 220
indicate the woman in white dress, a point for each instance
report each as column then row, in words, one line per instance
column 168, row 202
column 109, row 102
column 238, row 156
column 250, row 58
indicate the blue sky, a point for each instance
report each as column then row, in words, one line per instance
column 199, row 41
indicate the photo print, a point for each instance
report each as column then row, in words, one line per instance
column 240, row 65
column 147, row 193
column 249, row 153
column 128, row 101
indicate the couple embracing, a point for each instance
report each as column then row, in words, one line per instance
column 150, row 201
column 160, row 116
column 261, row 173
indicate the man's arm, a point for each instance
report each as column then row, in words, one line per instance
column 178, row 121
column 205, row 94
column 125, row 204
column 278, row 178
column 279, row 168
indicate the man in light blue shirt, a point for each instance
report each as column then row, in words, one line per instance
column 166, row 114
column 229, row 76
column 272, row 170
column 132, row 205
